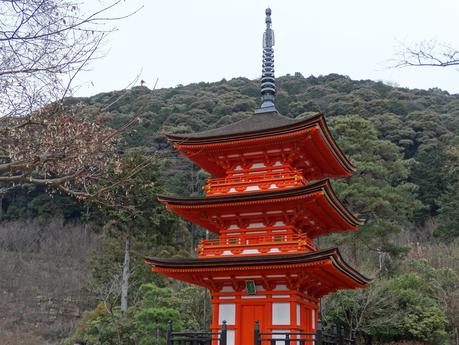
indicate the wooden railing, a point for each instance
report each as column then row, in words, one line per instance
column 334, row 336
column 263, row 180
column 263, row 244
column 196, row 337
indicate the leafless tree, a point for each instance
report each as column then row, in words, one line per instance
column 43, row 46
column 427, row 53
column 61, row 151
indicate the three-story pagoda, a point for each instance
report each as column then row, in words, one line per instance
column 269, row 199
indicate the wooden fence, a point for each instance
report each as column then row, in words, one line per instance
column 331, row 336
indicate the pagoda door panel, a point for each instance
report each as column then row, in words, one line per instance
column 249, row 314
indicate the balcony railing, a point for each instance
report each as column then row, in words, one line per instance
column 196, row 337
column 335, row 335
column 262, row 180
column 266, row 244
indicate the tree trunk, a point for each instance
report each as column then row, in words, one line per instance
column 126, row 273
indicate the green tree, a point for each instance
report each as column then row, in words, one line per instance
column 448, row 219
column 145, row 322
column 399, row 308
column 378, row 191
column 141, row 223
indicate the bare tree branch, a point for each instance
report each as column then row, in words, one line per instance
column 427, row 53
column 64, row 152
column 44, row 44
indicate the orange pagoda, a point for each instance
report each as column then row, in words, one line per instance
column 269, row 199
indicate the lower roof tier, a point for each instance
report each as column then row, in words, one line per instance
column 316, row 273
column 313, row 210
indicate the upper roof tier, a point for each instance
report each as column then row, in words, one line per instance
column 307, row 143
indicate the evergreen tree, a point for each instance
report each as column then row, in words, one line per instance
column 378, row 191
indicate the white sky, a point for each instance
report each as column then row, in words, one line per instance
column 187, row 41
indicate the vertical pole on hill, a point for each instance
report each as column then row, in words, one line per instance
column 223, row 334
column 256, row 333
column 126, row 273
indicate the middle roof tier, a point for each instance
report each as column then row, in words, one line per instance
column 313, row 210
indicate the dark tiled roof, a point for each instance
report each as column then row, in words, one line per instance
column 255, row 123
column 265, row 260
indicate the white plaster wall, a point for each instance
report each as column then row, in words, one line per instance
column 227, row 289
column 227, row 312
column 250, row 251
column 281, row 314
column 249, row 188
column 230, row 336
column 256, row 225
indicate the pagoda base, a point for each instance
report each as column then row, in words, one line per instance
column 278, row 310
column 281, row 291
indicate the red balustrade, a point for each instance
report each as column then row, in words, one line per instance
column 264, row 180
column 267, row 244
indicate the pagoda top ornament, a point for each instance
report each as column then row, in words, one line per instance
column 268, row 87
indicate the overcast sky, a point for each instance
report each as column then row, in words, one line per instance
column 188, row 41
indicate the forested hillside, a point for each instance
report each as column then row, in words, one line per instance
column 404, row 144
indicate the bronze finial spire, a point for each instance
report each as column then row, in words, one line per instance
column 268, row 88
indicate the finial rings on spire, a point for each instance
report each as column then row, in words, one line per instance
column 268, row 87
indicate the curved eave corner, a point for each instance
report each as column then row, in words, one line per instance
column 333, row 199
column 337, row 152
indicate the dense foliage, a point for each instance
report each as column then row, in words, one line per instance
column 146, row 321
column 404, row 144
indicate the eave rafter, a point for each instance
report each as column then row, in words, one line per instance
column 267, row 284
